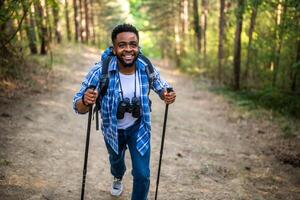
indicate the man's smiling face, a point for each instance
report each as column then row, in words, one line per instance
column 126, row 47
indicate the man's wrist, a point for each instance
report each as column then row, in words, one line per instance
column 83, row 102
column 161, row 94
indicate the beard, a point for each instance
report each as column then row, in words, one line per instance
column 126, row 64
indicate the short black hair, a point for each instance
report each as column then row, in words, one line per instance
column 123, row 28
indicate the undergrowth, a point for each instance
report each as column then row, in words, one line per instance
column 283, row 103
column 21, row 72
column 280, row 104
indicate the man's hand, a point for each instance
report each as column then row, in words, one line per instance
column 169, row 97
column 90, row 97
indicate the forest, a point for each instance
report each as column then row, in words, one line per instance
column 233, row 132
column 250, row 48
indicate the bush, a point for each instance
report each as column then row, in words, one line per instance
column 278, row 101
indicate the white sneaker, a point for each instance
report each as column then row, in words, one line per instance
column 117, row 187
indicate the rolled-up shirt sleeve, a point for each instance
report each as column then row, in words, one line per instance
column 159, row 84
column 91, row 79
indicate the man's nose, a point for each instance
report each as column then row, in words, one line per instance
column 128, row 47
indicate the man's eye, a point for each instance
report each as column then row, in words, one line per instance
column 122, row 45
column 133, row 45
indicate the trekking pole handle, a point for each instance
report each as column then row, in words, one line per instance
column 170, row 90
column 95, row 109
column 91, row 87
column 82, row 98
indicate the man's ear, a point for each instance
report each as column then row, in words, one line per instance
column 113, row 50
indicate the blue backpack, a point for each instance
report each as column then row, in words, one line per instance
column 104, row 77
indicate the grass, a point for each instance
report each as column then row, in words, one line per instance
column 22, row 70
column 284, row 107
column 284, row 104
column 55, row 56
column 4, row 162
column 288, row 129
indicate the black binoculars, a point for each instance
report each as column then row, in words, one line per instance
column 125, row 106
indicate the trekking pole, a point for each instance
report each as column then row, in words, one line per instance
column 86, row 154
column 162, row 144
column 97, row 115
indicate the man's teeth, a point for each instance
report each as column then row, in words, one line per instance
column 128, row 56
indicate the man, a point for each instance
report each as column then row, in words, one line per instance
column 125, row 109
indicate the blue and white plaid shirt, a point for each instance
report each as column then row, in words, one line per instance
column 111, row 100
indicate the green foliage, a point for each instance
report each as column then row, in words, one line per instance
column 288, row 129
column 190, row 65
column 148, row 38
column 8, row 11
column 11, row 67
column 296, row 66
column 141, row 19
column 148, row 47
column 4, row 162
column 110, row 15
column 275, row 100
column 156, row 19
column 161, row 25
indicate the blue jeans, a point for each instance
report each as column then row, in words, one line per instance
column 140, row 164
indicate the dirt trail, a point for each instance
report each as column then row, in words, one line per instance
column 208, row 153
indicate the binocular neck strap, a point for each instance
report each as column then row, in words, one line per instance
column 121, row 84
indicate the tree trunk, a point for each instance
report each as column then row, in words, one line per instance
column 87, row 31
column 20, row 36
column 80, row 21
column 204, row 26
column 250, row 35
column 8, row 26
column 43, row 35
column 178, row 33
column 185, row 16
column 197, row 27
column 92, row 23
column 2, row 25
column 76, row 23
column 237, row 44
column 48, row 21
column 30, row 30
column 177, row 44
column 296, row 73
column 280, row 21
column 221, row 34
column 67, row 20
column 184, row 24
column 1, row 3
column 55, row 11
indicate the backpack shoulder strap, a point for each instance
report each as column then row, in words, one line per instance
column 104, row 76
column 149, row 69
